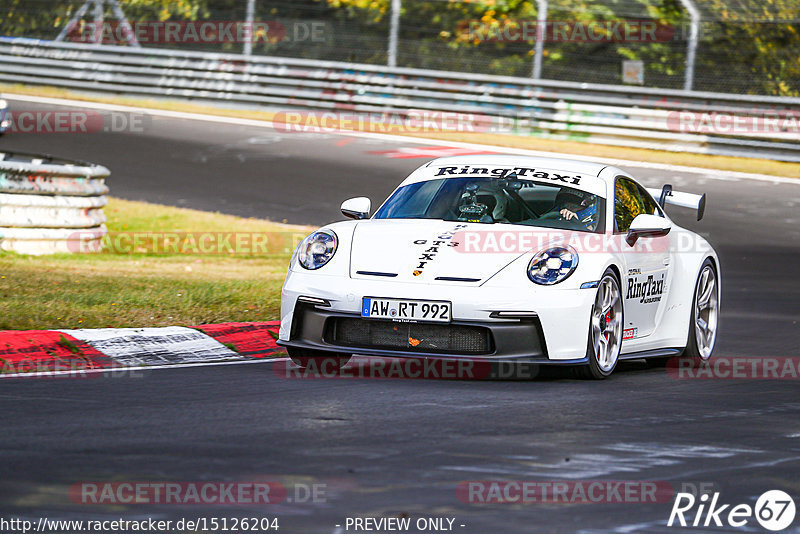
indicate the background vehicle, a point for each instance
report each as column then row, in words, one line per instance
column 4, row 123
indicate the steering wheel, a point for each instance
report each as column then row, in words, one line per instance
column 553, row 216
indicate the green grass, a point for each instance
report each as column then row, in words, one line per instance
column 121, row 289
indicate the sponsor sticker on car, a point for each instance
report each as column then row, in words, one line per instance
column 406, row 310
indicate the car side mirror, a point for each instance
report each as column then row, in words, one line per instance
column 356, row 208
column 645, row 225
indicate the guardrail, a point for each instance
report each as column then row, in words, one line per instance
column 50, row 205
column 714, row 123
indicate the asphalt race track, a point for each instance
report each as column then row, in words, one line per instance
column 394, row 447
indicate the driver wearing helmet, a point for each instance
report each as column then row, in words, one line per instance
column 578, row 205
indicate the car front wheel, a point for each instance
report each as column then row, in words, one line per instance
column 605, row 330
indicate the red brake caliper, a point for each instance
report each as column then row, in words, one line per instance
column 607, row 318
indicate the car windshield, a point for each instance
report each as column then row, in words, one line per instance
column 492, row 200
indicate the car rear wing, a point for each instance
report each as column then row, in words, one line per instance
column 666, row 195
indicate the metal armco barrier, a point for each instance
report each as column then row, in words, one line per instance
column 713, row 123
column 49, row 205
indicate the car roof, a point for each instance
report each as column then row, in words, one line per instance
column 579, row 174
column 588, row 168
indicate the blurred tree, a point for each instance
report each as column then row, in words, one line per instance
column 43, row 19
column 757, row 41
column 748, row 46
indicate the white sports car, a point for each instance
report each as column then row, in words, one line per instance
column 506, row 258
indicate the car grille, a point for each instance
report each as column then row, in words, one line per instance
column 409, row 337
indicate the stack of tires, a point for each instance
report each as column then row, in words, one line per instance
column 50, row 205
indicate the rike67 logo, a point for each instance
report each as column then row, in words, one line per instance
column 774, row 510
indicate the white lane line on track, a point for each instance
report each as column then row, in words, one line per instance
column 128, row 369
column 709, row 173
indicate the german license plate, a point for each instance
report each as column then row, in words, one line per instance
column 434, row 311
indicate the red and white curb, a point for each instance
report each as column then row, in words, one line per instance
column 48, row 352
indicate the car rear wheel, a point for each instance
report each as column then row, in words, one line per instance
column 705, row 314
column 605, row 330
column 321, row 361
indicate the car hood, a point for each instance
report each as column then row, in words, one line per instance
column 426, row 251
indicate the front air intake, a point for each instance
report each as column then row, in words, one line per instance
column 408, row 337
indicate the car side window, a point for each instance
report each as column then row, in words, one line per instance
column 628, row 203
column 650, row 205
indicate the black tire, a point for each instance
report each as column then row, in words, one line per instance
column 594, row 370
column 318, row 359
column 693, row 350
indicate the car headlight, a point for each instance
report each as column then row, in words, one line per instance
column 317, row 249
column 3, row 104
column 553, row 265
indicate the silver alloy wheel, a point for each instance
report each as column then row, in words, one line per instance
column 607, row 324
column 706, row 312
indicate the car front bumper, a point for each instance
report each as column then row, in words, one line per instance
column 557, row 333
column 316, row 328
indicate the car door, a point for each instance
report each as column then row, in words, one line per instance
column 646, row 275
